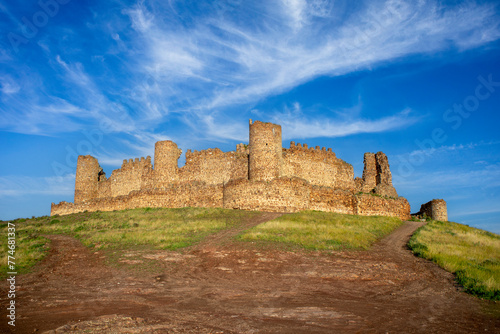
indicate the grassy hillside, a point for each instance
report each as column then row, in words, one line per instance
column 323, row 230
column 473, row 255
column 157, row 228
column 178, row 228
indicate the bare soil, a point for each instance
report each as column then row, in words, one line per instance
column 222, row 286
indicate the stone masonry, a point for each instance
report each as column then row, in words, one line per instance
column 435, row 209
column 260, row 176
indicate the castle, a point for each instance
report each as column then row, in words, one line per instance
column 259, row 176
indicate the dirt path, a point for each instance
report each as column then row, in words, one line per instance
column 234, row 289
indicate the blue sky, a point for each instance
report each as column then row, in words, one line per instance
column 418, row 80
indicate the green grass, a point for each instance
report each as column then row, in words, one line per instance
column 30, row 248
column 155, row 228
column 473, row 255
column 316, row 230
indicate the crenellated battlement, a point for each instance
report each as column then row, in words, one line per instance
column 211, row 152
column 137, row 163
column 315, row 150
column 203, row 153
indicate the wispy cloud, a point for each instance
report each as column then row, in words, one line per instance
column 443, row 149
column 297, row 124
column 12, row 186
column 227, row 63
column 159, row 60
column 9, row 85
column 482, row 177
column 296, row 11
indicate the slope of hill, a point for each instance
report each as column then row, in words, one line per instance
column 179, row 228
column 188, row 270
column 473, row 255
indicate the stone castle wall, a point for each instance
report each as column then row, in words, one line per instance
column 318, row 166
column 280, row 195
column 214, row 166
column 177, row 195
column 435, row 209
column 260, row 176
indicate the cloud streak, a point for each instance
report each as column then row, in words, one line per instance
column 200, row 65
column 11, row 186
column 229, row 64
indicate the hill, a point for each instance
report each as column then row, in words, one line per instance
column 195, row 270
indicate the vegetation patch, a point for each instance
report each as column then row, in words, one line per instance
column 158, row 228
column 317, row 230
column 473, row 255
column 29, row 247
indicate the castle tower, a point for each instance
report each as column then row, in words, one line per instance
column 436, row 209
column 87, row 176
column 166, row 160
column 265, row 151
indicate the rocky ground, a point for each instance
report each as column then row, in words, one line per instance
column 221, row 286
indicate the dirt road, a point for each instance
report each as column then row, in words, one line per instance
column 224, row 287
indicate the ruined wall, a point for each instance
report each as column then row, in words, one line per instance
column 369, row 180
column 279, row 195
column 377, row 177
column 214, row 166
column 166, row 163
column 332, row 200
column 342, row 201
column 265, row 151
column 371, row 205
column 317, row 166
column 435, row 209
column 131, row 176
column 384, row 177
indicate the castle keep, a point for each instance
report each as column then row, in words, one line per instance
column 259, row 176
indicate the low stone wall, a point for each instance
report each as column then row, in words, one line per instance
column 371, row 205
column 194, row 194
column 279, row 195
column 332, row 200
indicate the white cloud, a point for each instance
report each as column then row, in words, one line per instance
column 236, row 64
column 204, row 67
column 296, row 124
column 295, row 9
column 25, row 185
column 8, row 85
column 140, row 17
column 439, row 150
